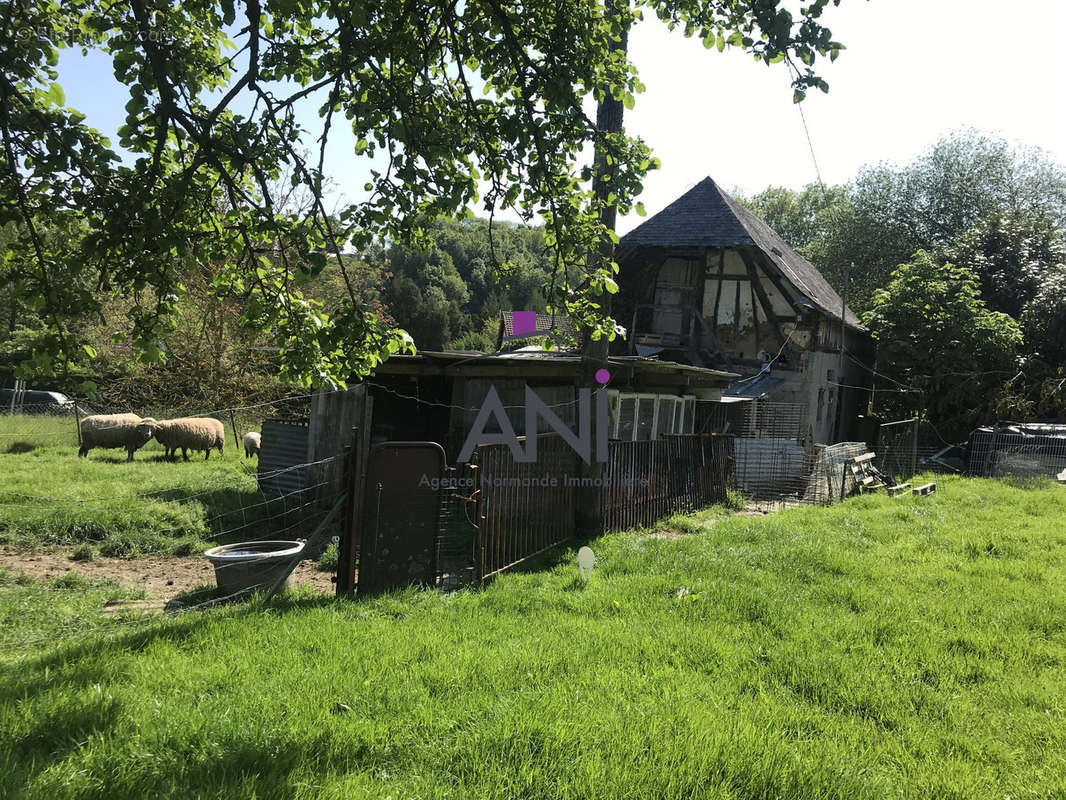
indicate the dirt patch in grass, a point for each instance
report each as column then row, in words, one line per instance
column 160, row 577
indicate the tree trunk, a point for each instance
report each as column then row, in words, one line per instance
column 608, row 120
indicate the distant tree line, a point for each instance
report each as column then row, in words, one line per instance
column 957, row 263
column 447, row 293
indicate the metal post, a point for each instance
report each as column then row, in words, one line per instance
column 343, row 578
column 77, row 420
column 989, row 466
column 236, row 438
column 914, row 447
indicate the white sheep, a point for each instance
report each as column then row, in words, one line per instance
column 127, row 431
column 253, row 440
column 190, row 433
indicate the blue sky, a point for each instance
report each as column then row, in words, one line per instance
column 913, row 71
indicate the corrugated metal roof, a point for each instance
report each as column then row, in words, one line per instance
column 753, row 387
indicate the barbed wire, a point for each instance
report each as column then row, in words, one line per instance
column 454, row 407
column 216, row 413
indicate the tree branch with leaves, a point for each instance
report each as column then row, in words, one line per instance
column 478, row 103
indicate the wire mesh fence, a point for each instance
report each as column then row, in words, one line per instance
column 526, row 507
column 1020, row 450
column 30, row 425
column 897, row 449
column 172, row 519
column 776, row 461
column 648, row 480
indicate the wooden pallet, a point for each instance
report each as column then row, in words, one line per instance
column 866, row 477
column 924, row 489
column 899, row 488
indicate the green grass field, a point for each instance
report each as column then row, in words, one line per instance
column 50, row 497
column 877, row 648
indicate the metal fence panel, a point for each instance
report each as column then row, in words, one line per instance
column 525, row 508
column 1017, row 450
column 402, row 516
column 283, row 455
column 648, row 480
column 897, row 449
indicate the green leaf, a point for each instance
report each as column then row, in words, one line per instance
column 56, row 96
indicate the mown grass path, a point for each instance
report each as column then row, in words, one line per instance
column 878, row 648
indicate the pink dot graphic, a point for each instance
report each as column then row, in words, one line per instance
column 602, row 376
column 523, row 322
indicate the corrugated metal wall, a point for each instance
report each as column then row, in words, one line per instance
column 283, row 457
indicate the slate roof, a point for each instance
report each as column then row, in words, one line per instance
column 706, row 216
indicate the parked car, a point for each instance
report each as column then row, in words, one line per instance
column 36, row 401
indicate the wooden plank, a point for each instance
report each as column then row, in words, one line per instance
column 924, row 489
column 755, row 318
column 761, row 292
column 736, row 321
column 769, row 271
column 897, row 490
column 864, row 457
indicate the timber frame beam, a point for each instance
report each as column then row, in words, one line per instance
column 753, row 272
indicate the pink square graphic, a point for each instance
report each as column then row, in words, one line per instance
column 523, row 322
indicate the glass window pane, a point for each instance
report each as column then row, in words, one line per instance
column 666, row 417
column 645, row 417
column 627, row 418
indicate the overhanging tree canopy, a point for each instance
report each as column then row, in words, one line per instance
column 472, row 102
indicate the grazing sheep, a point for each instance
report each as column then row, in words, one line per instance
column 190, row 433
column 252, row 442
column 128, row 431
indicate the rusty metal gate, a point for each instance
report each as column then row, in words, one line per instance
column 402, row 504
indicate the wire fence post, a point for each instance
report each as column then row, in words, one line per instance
column 236, row 438
column 77, row 420
column 989, row 466
column 914, row 446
